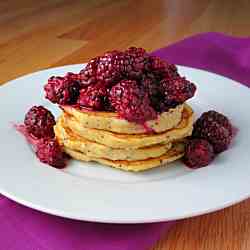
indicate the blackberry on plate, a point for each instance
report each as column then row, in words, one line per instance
column 215, row 128
column 40, row 122
column 221, row 119
column 198, row 153
column 49, row 151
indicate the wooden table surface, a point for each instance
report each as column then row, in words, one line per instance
column 41, row 34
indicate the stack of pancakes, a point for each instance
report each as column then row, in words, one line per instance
column 105, row 138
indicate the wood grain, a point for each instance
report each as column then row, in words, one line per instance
column 40, row 34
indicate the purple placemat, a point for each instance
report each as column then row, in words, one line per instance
column 225, row 55
column 26, row 229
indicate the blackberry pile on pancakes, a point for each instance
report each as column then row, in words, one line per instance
column 126, row 109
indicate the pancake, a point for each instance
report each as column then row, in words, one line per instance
column 92, row 149
column 110, row 121
column 173, row 154
column 116, row 140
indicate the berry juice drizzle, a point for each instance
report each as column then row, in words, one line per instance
column 148, row 129
column 30, row 139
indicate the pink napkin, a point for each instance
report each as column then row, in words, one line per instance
column 25, row 229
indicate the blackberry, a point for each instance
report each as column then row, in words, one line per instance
column 138, row 63
column 40, row 122
column 88, row 74
column 215, row 128
column 198, row 153
column 219, row 118
column 111, row 67
column 94, row 97
column 162, row 69
column 177, row 90
column 155, row 92
column 131, row 102
column 62, row 90
column 73, row 77
column 49, row 151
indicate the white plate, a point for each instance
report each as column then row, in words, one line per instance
column 93, row 192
